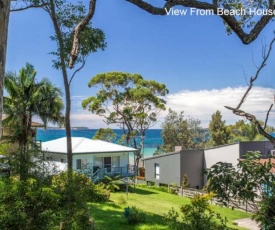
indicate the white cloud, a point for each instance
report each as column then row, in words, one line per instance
column 199, row 104
column 203, row 103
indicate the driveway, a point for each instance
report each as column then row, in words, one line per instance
column 247, row 223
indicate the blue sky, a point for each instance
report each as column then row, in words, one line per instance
column 202, row 66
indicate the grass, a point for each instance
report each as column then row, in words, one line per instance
column 109, row 215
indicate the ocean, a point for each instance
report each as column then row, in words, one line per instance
column 151, row 142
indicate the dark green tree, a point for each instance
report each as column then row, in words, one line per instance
column 219, row 133
column 248, row 186
column 242, row 131
column 180, row 131
column 28, row 98
column 105, row 135
column 128, row 101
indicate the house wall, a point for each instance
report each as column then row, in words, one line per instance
column 192, row 165
column 123, row 157
column 262, row 146
column 226, row 153
column 169, row 168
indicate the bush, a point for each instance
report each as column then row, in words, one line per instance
column 27, row 205
column 135, row 216
column 75, row 198
column 196, row 216
column 122, row 199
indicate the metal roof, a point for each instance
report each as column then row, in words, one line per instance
column 82, row 145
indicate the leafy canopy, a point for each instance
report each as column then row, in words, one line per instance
column 126, row 100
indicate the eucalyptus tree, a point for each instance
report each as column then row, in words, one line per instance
column 65, row 16
column 29, row 98
column 178, row 130
column 128, row 101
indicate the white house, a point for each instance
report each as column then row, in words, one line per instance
column 90, row 155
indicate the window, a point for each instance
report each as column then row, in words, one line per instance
column 157, row 171
column 81, row 163
column 49, row 158
column 78, row 164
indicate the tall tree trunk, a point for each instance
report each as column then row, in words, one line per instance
column 67, row 112
column 4, row 22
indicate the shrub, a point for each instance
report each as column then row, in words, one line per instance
column 135, row 216
column 74, row 197
column 27, row 205
column 197, row 215
column 122, row 199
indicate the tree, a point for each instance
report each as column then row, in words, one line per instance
column 185, row 182
column 218, row 131
column 262, row 127
column 4, row 18
column 65, row 17
column 180, row 131
column 249, row 20
column 70, row 22
column 248, row 186
column 242, row 131
column 128, row 101
column 105, row 135
column 28, row 98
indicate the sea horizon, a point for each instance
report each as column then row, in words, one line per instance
column 151, row 142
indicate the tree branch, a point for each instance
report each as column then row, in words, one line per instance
column 83, row 63
column 28, row 7
column 267, row 115
column 229, row 19
column 78, row 29
column 254, row 120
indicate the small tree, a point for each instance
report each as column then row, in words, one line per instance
column 185, row 182
column 242, row 186
column 219, row 133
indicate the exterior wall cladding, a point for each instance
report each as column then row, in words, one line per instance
column 173, row 166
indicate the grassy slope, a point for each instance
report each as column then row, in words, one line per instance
column 110, row 215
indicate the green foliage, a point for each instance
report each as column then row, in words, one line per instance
column 68, row 16
column 136, row 216
column 180, row 131
column 27, row 205
column 251, row 180
column 128, row 101
column 185, row 182
column 154, row 187
column 105, row 135
column 197, row 215
column 28, row 98
column 219, row 133
column 242, row 131
column 112, row 183
column 76, row 194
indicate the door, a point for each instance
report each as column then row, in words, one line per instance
column 107, row 163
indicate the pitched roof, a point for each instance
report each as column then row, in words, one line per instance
column 82, row 145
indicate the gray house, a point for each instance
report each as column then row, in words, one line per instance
column 170, row 167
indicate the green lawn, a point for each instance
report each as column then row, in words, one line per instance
column 110, row 215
